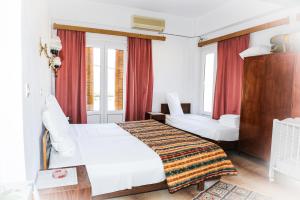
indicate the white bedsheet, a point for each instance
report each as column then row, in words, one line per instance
column 203, row 127
column 115, row 160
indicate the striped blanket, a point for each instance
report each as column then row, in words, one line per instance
column 187, row 159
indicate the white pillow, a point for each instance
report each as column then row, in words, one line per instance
column 59, row 132
column 67, row 148
column 51, row 102
column 229, row 120
column 174, row 104
column 255, row 51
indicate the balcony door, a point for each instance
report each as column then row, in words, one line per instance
column 105, row 82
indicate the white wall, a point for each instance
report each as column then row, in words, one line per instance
column 12, row 167
column 36, row 73
column 93, row 13
column 171, row 69
column 21, row 124
column 233, row 12
column 175, row 70
column 172, row 59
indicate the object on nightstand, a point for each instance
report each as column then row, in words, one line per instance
column 56, row 178
column 65, row 183
column 156, row 116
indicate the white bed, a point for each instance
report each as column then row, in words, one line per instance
column 115, row 160
column 204, row 127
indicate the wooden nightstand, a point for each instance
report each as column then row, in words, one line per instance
column 81, row 191
column 156, row 116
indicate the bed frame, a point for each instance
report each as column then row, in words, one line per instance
column 186, row 108
column 46, row 151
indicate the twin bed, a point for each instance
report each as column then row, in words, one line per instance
column 135, row 157
column 203, row 127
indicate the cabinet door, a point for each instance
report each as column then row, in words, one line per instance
column 277, row 96
column 278, row 87
column 253, row 84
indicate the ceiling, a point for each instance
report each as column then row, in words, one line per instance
column 185, row 8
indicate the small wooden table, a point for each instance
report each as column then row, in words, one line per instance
column 156, row 116
column 81, row 191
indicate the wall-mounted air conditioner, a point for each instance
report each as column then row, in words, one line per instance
column 148, row 23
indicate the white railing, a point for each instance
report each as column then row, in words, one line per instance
column 285, row 152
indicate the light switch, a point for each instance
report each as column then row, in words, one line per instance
column 27, row 90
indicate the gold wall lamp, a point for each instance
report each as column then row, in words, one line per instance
column 51, row 51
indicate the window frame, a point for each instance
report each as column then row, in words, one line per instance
column 104, row 45
column 213, row 48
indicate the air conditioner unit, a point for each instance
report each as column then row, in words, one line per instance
column 148, row 23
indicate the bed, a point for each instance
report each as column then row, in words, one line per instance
column 110, row 155
column 202, row 126
column 133, row 157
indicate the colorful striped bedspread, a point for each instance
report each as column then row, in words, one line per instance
column 187, row 159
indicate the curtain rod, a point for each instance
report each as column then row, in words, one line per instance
column 254, row 29
column 108, row 32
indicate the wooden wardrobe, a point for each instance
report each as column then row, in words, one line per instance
column 271, row 90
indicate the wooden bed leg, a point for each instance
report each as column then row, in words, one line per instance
column 200, row 186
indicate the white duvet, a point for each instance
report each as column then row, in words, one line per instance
column 203, row 127
column 115, row 160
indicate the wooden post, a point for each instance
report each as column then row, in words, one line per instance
column 200, row 186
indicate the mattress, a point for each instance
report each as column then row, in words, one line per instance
column 204, row 127
column 115, row 160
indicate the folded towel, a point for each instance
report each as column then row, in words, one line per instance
column 230, row 121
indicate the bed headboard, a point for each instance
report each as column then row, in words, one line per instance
column 46, row 148
column 186, row 108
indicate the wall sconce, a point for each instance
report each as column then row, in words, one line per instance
column 51, row 51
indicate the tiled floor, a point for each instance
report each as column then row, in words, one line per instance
column 252, row 175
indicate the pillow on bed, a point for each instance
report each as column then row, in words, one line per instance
column 51, row 102
column 61, row 141
column 230, row 120
column 174, row 104
column 255, row 51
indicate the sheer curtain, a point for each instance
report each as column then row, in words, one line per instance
column 228, row 91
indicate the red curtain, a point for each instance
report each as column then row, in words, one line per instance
column 228, row 91
column 70, row 85
column 139, row 90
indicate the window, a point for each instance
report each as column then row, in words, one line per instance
column 209, row 75
column 115, row 79
column 104, row 69
column 93, row 78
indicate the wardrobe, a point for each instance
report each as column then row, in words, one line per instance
column 271, row 90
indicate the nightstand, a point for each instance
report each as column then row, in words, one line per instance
column 156, row 116
column 80, row 191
